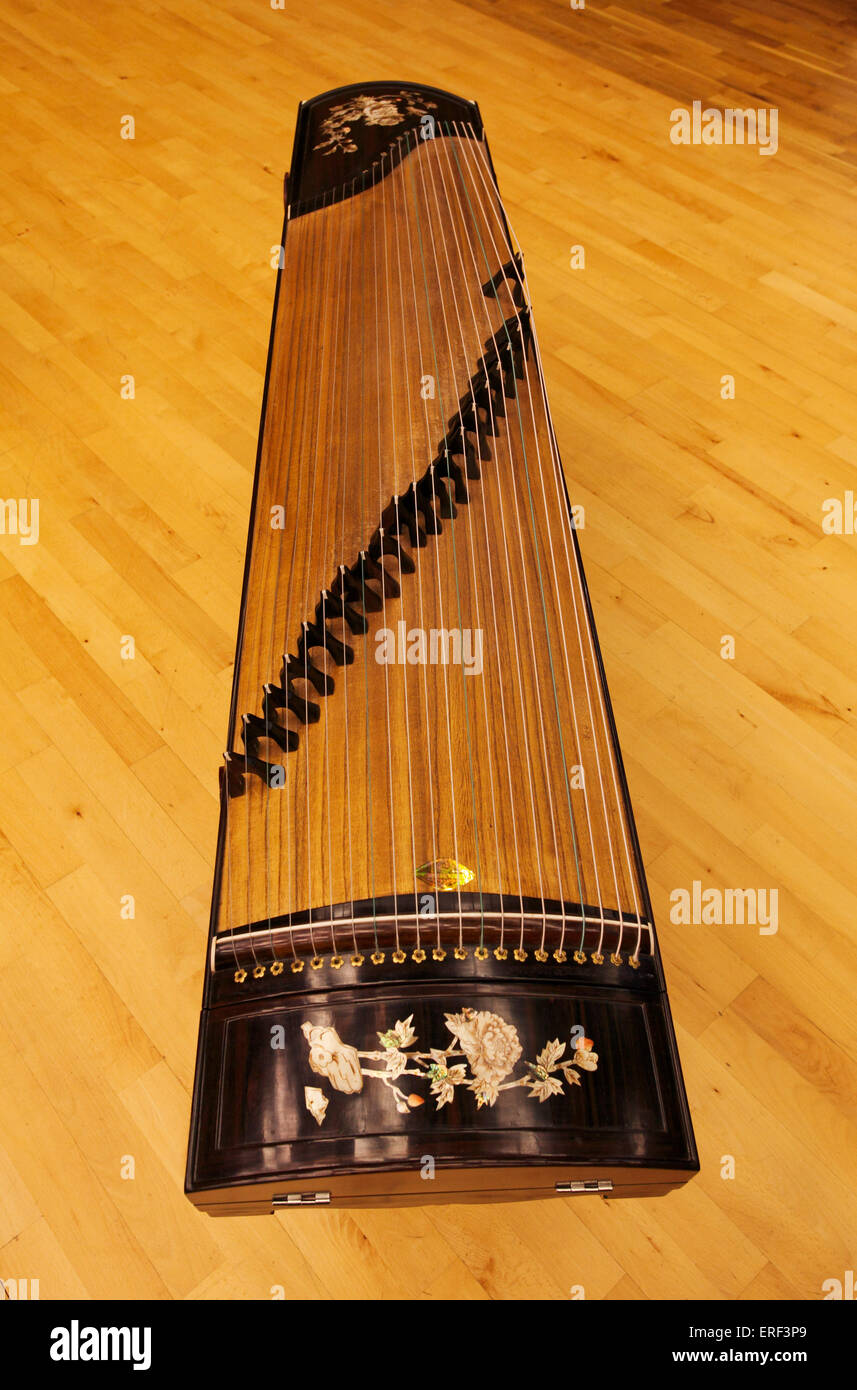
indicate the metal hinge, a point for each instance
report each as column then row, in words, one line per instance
column 596, row 1185
column 302, row 1199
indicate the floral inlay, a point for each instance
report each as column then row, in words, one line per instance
column 316, row 1102
column 490, row 1047
column 372, row 110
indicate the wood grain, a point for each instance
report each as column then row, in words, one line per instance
column 703, row 518
column 505, row 763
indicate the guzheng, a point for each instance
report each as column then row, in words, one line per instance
column 433, row 973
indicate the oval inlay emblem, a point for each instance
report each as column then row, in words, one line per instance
column 445, row 874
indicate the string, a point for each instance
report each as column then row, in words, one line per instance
column 564, row 509
column 338, row 304
column 245, row 935
column 345, row 451
column 399, row 543
column 228, row 829
column 228, row 842
column 568, row 533
column 398, row 221
column 249, row 790
column 608, row 737
column 309, row 229
column 303, row 238
column 383, row 571
column 439, row 952
column 500, row 685
column 467, row 356
column 322, row 341
column 538, row 556
column 362, row 532
column 507, row 738
column 538, row 703
column 451, row 359
column 556, row 591
column 438, row 949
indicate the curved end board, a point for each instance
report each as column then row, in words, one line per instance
column 341, row 134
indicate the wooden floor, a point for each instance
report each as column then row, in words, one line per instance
column 150, row 258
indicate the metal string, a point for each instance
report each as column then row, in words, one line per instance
column 338, row 309
column 399, row 545
column 439, row 397
column 248, row 785
column 381, row 493
column 424, row 159
column 556, row 590
column 305, row 342
column 568, row 534
column 294, row 350
column 536, row 683
column 345, row 452
column 325, row 348
column 362, row 532
column 398, row 222
column 468, row 353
